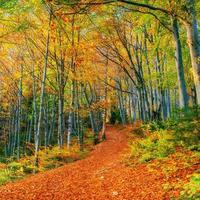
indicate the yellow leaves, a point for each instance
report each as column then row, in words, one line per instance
column 5, row 105
column 35, row 3
column 102, row 104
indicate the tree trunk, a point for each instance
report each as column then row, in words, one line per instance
column 19, row 114
column 194, row 46
column 105, row 111
column 61, row 87
column 183, row 97
column 71, row 114
column 42, row 94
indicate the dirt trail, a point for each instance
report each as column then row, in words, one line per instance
column 101, row 176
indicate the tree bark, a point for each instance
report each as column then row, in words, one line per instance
column 183, row 97
column 42, row 94
column 194, row 45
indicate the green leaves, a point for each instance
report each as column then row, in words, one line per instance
column 23, row 26
column 8, row 4
column 191, row 189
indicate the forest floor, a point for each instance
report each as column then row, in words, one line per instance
column 101, row 176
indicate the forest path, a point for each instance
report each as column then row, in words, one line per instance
column 101, row 176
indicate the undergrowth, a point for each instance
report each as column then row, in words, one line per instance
column 191, row 190
column 52, row 157
column 169, row 146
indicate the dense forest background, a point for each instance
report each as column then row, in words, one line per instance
column 67, row 67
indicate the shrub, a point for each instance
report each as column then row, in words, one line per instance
column 163, row 137
column 5, row 176
column 15, row 166
column 11, row 172
column 157, row 145
column 146, row 157
column 191, row 190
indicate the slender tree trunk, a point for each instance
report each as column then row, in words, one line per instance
column 19, row 114
column 71, row 114
column 34, row 105
column 61, row 83
column 46, row 124
column 183, row 97
column 15, row 129
column 30, row 131
column 42, row 94
column 105, row 111
column 53, row 115
column 61, row 117
column 194, row 46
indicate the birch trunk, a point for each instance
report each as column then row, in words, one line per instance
column 105, row 111
column 42, row 94
column 183, row 97
column 19, row 114
column 194, row 46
